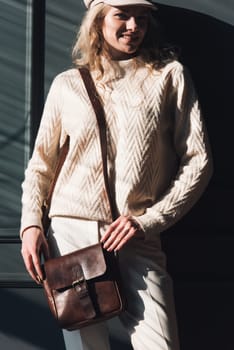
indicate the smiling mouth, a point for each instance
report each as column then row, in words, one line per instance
column 130, row 38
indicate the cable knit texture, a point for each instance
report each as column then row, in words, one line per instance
column 158, row 154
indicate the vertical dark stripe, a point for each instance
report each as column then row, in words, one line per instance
column 38, row 65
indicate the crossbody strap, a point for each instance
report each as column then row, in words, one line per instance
column 46, row 205
column 101, row 120
column 100, row 115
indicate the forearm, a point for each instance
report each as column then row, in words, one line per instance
column 183, row 193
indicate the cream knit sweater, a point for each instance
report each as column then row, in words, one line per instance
column 158, row 157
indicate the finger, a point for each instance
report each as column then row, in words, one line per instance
column 117, row 231
column 121, row 240
column 107, row 234
column 116, row 227
column 121, row 229
column 105, row 237
column 30, row 266
column 113, row 239
column 117, row 234
column 37, row 265
column 111, row 228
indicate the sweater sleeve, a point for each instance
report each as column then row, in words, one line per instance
column 195, row 163
column 40, row 168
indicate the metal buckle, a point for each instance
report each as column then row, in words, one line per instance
column 78, row 283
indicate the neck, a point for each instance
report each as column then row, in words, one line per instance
column 115, row 55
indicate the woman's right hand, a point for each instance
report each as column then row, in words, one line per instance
column 33, row 244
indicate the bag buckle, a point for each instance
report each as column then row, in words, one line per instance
column 77, row 284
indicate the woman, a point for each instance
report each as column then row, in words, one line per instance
column 158, row 162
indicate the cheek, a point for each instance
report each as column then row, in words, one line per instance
column 144, row 28
column 107, row 28
column 143, row 32
column 106, row 35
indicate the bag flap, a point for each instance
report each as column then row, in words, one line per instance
column 62, row 271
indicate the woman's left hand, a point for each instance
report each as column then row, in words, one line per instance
column 120, row 232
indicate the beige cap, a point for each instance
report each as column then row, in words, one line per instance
column 91, row 3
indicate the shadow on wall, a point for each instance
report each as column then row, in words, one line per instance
column 207, row 46
column 207, row 49
column 32, row 327
column 200, row 246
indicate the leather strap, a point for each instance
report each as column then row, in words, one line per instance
column 62, row 156
column 46, row 205
column 100, row 115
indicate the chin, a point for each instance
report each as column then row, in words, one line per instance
column 131, row 51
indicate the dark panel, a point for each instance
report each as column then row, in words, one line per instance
column 207, row 48
column 205, row 315
column 223, row 11
column 200, row 246
column 198, row 259
column 26, row 322
column 37, row 62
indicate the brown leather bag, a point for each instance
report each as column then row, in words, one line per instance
column 84, row 287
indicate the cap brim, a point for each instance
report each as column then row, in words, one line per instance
column 130, row 3
column 120, row 3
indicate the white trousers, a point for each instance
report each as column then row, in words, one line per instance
column 150, row 316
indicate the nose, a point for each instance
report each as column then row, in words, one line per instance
column 131, row 24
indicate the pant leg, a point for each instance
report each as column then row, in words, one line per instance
column 94, row 337
column 150, row 317
column 66, row 235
